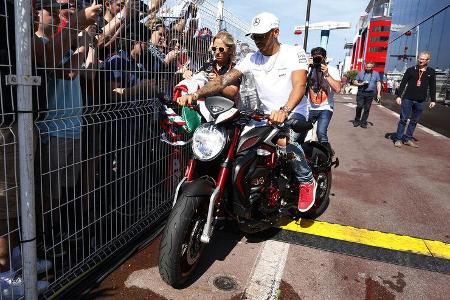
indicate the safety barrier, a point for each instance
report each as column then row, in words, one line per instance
column 87, row 155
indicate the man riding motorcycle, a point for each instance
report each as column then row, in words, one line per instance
column 280, row 73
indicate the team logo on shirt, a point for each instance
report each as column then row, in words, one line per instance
column 301, row 57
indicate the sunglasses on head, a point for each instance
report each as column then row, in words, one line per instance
column 221, row 49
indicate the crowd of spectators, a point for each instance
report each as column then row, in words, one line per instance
column 101, row 62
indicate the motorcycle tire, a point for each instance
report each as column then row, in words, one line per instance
column 322, row 197
column 180, row 248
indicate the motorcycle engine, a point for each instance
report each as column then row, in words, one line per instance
column 264, row 193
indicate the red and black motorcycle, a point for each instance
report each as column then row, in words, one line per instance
column 236, row 170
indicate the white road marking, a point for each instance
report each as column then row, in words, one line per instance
column 347, row 98
column 351, row 105
column 267, row 272
column 421, row 127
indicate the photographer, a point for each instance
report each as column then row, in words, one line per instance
column 366, row 81
column 323, row 82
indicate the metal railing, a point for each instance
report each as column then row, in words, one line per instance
column 84, row 90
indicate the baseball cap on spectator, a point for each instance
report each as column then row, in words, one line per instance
column 43, row 4
column 263, row 23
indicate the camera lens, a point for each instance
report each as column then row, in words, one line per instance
column 317, row 60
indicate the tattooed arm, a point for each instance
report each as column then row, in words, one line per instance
column 211, row 88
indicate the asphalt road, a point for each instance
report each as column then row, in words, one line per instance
column 377, row 186
column 437, row 119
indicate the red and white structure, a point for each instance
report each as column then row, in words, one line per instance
column 371, row 40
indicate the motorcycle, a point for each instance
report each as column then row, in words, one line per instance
column 236, row 171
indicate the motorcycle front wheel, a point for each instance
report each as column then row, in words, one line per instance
column 181, row 248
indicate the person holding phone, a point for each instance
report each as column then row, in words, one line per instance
column 368, row 82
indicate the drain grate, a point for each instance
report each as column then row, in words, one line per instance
column 225, row 283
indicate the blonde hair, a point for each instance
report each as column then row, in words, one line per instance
column 228, row 40
column 427, row 53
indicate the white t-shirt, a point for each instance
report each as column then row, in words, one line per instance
column 273, row 76
column 323, row 99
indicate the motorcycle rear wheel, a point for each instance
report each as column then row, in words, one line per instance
column 180, row 248
column 323, row 181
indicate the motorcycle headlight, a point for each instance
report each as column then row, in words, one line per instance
column 208, row 141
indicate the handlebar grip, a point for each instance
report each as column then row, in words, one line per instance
column 299, row 125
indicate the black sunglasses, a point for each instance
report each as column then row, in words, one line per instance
column 221, row 49
column 260, row 36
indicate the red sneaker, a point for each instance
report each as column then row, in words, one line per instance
column 307, row 195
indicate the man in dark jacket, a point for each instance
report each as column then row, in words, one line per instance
column 412, row 97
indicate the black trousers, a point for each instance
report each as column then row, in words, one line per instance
column 363, row 102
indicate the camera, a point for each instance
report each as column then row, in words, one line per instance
column 317, row 61
column 365, row 84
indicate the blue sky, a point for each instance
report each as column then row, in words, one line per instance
column 293, row 12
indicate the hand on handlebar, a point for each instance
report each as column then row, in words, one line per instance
column 187, row 99
column 277, row 117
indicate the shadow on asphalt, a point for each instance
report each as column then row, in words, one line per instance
column 391, row 136
column 101, row 293
column 368, row 123
column 225, row 238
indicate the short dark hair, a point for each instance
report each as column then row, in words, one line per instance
column 134, row 33
column 319, row 51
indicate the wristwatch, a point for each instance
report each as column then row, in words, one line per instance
column 195, row 94
column 286, row 109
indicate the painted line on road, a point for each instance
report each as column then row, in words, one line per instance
column 267, row 271
column 406, row 259
column 421, row 127
column 373, row 238
column 351, row 105
column 347, row 98
column 391, row 248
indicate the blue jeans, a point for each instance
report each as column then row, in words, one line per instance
column 411, row 110
column 301, row 168
column 322, row 117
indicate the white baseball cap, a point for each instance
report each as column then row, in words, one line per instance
column 263, row 23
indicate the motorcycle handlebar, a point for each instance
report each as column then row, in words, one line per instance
column 295, row 124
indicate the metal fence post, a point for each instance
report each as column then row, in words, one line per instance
column 23, row 34
column 219, row 20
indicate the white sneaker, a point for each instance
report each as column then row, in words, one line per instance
column 12, row 286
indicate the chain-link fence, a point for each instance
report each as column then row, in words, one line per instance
column 86, row 128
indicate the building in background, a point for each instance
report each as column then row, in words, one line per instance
column 348, row 58
column 371, row 40
column 419, row 25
